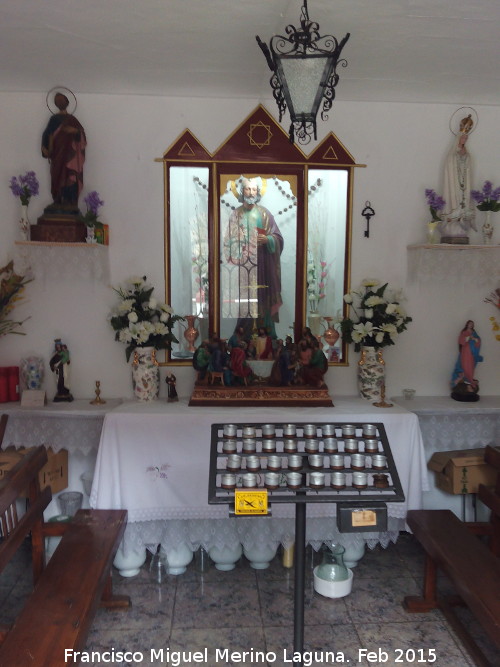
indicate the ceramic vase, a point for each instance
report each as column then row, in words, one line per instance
column 191, row 333
column 487, row 228
column 24, row 223
column 371, row 373
column 145, row 374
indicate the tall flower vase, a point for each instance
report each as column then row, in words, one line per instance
column 487, row 228
column 314, row 321
column 145, row 374
column 371, row 373
column 24, row 223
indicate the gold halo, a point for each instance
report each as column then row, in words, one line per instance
column 263, row 185
column 63, row 90
column 475, row 119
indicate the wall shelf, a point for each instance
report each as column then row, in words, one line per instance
column 477, row 264
column 64, row 260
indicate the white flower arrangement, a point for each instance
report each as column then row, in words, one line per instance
column 140, row 320
column 379, row 316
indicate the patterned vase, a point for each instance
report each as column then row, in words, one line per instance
column 488, row 229
column 371, row 373
column 145, row 374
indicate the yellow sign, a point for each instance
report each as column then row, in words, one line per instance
column 250, row 502
column 364, row 518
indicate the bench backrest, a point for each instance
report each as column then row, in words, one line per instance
column 21, row 478
column 3, row 426
column 491, row 497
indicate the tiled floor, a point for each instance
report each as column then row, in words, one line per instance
column 223, row 614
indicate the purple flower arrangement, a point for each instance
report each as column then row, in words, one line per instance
column 435, row 203
column 25, row 187
column 93, row 203
column 487, row 199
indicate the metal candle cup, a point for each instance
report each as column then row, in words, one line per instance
column 351, row 445
column 317, row 479
column 233, row 462
column 310, row 430
column 229, row 430
column 357, row 461
column 249, row 431
column 337, row 480
column 336, row 462
column 295, row 462
column 289, row 430
column 294, row 480
column 369, row 430
column 315, row 461
column 229, row 446
column 268, row 445
column 271, row 480
column 228, row 481
column 249, row 480
column 312, row 446
column 268, row 430
column 328, row 429
column 290, row 445
column 249, row 445
column 330, row 445
column 371, row 445
column 379, row 462
column 348, row 429
column 253, row 463
column 273, row 463
column 359, row 480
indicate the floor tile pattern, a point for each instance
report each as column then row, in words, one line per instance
column 245, row 616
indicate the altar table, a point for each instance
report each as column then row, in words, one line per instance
column 153, row 460
column 446, row 425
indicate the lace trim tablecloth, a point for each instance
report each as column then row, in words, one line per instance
column 447, row 424
column 64, row 260
column 479, row 265
column 250, row 532
column 153, row 460
column 74, row 426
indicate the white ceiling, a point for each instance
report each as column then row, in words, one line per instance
column 399, row 50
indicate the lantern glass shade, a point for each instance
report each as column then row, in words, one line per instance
column 303, row 81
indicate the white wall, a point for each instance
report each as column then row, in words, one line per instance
column 403, row 146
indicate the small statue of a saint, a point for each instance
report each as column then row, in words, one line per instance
column 458, row 217
column 464, row 386
column 59, row 365
column 172, row 396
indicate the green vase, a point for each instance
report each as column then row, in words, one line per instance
column 332, row 568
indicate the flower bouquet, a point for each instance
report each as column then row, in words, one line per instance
column 140, row 320
column 487, row 199
column 436, row 204
column 11, row 291
column 378, row 319
column 25, row 186
column 378, row 316
column 93, row 203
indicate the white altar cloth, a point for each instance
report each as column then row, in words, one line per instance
column 153, row 460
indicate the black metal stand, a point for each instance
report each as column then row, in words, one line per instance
column 300, row 567
column 348, row 495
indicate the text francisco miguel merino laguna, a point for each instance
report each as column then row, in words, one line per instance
column 207, row 657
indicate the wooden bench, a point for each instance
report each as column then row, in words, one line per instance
column 67, row 591
column 472, row 565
